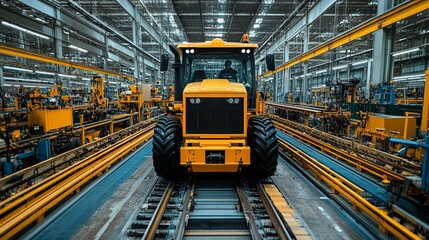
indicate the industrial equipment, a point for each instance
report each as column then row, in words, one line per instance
column 214, row 125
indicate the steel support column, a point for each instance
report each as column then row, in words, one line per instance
column 58, row 41
column 304, row 79
column 368, row 79
column 425, row 111
column 286, row 86
column 1, row 77
column 137, row 40
column 382, row 49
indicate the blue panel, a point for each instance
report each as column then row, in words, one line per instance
column 43, row 149
column 7, row 168
column 349, row 174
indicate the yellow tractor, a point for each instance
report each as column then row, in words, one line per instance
column 214, row 126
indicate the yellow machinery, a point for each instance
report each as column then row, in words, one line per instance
column 135, row 99
column 97, row 93
column 214, row 125
column 49, row 111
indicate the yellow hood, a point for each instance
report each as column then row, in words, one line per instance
column 214, row 86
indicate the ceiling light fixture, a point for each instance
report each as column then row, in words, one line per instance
column 27, row 80
column 46, row 73
column 78, row 48
column 406, row 51
column 18, row 69
column 359, row 62
column 339, row 67
column 67, row 76
column 24, row 30
column 408, row 77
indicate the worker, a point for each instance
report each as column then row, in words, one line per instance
column 228, row 71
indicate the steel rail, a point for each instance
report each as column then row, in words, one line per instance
column 7, row 50
column 247, row 210
column 159, row 212
column 281, row 229
column 30, row 205
column 388, row 18
column 298, row 108
column 365, row 152
column 40, row 171
column 386, row 223
column 187, row 205
column 385, row 174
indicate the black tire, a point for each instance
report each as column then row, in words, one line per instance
column 264, row 147
column 167, row 138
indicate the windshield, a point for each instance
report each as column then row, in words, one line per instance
column 213, row 63
column 230, row 64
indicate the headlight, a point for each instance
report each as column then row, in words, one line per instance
column 236, row 100
column 230, row 100
column 195, row 100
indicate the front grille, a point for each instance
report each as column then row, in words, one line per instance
column 214, row 116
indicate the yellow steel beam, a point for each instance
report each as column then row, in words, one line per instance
column 388, row 18
column 39, row 57
column 425, row 113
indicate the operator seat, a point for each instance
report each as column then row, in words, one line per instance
column 198, row 76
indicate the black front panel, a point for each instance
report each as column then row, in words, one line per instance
column 214, row 116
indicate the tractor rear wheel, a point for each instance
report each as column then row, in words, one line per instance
column 264, row 147
column 167, row 138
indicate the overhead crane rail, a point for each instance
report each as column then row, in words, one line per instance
column 388, row 18
column 7, row 50
column 30, row 205
column 386, row 223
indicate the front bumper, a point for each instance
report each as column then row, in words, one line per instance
column 215, row 155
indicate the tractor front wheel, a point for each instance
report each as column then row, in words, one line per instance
column 264, row 147
column 167, row 138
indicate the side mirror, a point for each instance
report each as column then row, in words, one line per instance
column 270, row 61
column 164, row 62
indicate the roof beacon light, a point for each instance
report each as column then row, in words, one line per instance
column 245, row 38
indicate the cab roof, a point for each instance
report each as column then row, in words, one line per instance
column 216, row 43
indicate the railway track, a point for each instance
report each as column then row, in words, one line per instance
column 205, row 206
column 30, row 205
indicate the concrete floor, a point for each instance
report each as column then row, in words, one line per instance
column 314, row 209
column 111, row 220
